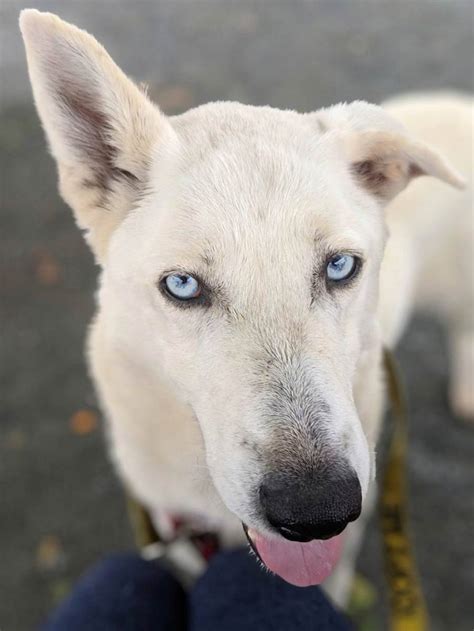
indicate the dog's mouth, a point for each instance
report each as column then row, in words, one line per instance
column 300, row 564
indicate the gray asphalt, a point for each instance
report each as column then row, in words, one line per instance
column 61, row 506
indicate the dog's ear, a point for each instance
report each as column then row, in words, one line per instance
column 101, row 128
column 385, row 162
column 382, row 157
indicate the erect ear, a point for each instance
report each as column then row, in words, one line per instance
column 101, row 128
column 382, row 157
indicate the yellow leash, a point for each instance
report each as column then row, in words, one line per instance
column 144, row 531
column 408, row 610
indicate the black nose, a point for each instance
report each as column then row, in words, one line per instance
column 311, row 506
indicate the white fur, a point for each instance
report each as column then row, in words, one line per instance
column 254, row 197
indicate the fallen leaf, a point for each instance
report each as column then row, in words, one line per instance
column 47, row 270
column 49, row 553
column 83, row 422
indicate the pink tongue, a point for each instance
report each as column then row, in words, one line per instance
column 301, row 564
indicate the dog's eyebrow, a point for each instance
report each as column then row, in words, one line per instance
column 346, row 241
column 206, row 258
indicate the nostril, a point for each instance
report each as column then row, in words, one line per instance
column 293, row 534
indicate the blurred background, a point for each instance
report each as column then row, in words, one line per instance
column 61, row 507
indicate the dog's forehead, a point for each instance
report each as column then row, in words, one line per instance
column 232, row 149
column 252, row 181
column 250, row 165
column 217, row 123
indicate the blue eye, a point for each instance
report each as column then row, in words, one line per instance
column 341, row 267
column 182, row 286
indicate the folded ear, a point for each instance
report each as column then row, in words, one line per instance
column 383, row 158
column 385, row 162
column 101, row 128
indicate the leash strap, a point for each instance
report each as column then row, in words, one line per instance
column 408, row 610
column 144, row 532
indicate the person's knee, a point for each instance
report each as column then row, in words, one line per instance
column 123, row 593
column 236, row 593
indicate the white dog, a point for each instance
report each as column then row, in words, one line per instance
column 245, row 296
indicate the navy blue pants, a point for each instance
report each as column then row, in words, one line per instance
column 126, row 593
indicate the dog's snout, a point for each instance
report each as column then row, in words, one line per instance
column 311, row 506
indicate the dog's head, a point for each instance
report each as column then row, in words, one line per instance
column 241, row 249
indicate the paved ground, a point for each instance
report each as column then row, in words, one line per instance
column 61, row 507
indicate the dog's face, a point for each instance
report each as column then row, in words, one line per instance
column 241, row 249
column 252, row 266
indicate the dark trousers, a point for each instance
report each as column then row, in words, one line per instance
column 126, row 593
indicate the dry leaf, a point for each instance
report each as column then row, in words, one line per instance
column 47, row 270
column 49, row 553
column 83, row 422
